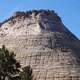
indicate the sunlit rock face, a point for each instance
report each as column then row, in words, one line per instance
column 40, row 39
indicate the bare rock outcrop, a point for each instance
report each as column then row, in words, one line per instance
column 40, row 39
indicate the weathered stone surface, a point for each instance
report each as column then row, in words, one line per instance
column 40, row 39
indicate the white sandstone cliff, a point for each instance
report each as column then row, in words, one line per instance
column 40, row 39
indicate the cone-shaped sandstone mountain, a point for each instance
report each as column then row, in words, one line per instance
column 40, row 39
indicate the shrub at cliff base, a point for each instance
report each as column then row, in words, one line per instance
column 10, row 67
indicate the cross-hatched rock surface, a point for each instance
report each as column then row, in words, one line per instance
column 40, row 39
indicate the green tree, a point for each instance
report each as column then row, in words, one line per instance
column 9, row 67
column 26, row 73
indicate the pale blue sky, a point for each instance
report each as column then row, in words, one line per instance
column 68, row 10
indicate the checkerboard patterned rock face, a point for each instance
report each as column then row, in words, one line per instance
column 40, row 39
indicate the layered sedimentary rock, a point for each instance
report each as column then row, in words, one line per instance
column 40, row 39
